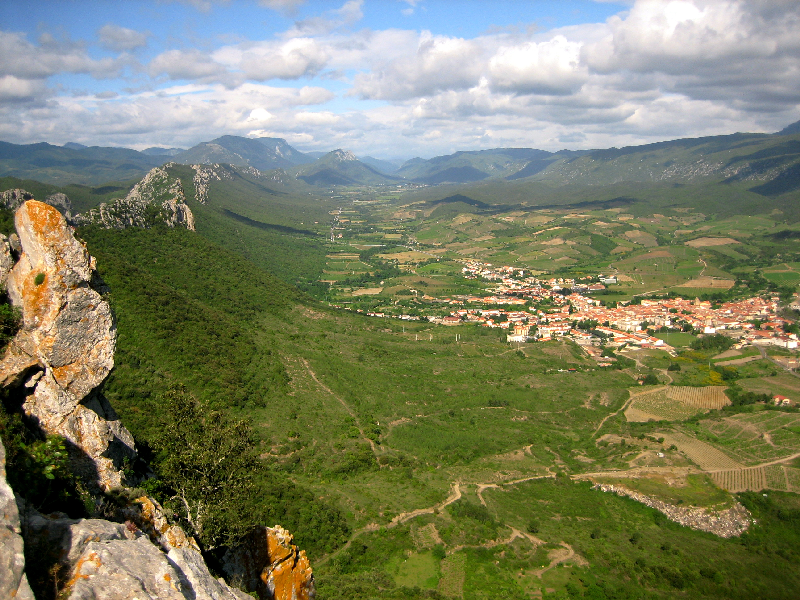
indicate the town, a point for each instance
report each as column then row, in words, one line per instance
column 531, row 309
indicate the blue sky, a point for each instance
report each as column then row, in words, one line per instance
column 396, row 78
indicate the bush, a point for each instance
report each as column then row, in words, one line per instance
column 716, row 342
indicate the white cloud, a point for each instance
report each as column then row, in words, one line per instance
column 259, row 115
column 121, row 39
column 14, row 89
column 22, row 59
column 349, row 14
column 316, row 118
column 189, row 64
column 296, row 58
column 551, row 67
column 440, row 63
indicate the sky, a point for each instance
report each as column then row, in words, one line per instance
column 395, row 79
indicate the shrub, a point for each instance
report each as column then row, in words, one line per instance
column 39, row 279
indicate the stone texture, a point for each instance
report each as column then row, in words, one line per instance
column 6, row 260
column 726, row 523
column 13, row 199
column 267, row 562
column 156, row 198
column 13, row 582
column 65, row 348
column 105, row 560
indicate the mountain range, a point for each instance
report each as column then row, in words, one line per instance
column 770, row 161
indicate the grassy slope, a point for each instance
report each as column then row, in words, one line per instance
column 191, row 311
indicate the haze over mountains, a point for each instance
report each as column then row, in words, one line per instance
column 771, row 159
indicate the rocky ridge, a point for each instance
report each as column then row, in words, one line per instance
column 13, row 199
column 730, row 522
column 65, row 347
column 156, row 198
column 204, row 175
column 52, row 368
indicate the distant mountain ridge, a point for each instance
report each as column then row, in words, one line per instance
column 341, row 167
column 264, row 154
column 63, row 165
column 756, row 157
column 472, row 166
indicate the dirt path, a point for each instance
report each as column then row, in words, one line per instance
column 344, row 404
column 557, row 559
column 515, row 534
column 455, row 494
column 633, row 396
column 485, row 486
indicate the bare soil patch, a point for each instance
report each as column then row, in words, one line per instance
column 708, row 282
column 711, row 241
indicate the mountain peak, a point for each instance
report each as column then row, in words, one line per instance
column 343, row 155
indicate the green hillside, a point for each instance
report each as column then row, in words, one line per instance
column 85, row 166
column 381, row 417
column 414, row 460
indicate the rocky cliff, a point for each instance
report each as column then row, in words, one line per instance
column 158, row 197
column 65, row 347
column 13, row 199
column 51, row 371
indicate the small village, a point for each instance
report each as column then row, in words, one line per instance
column 531, row 309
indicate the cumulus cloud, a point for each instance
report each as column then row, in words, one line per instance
column 189, row 64
column 440, row 63
column 178, row 116
column 349, row 14
column 551, row 67
column 296, row 58
column 22, row 59
column 121, row 39
column 14, row 89
column 317, row 118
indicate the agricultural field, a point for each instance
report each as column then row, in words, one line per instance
column 456, row 459
column 706, row 456
column 676, row 403
column 755, row 438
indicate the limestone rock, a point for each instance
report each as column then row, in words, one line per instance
column 156, row 198
column 149, row 516
column 6, row 260
column 101, row 559
column 13, row 199
column 13, row 582
column 203, row 176
column 267, row 562
column 65, row 348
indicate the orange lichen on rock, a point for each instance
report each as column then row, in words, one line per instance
column 65, row 348
column 267, row 562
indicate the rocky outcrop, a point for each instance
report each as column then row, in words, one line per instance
column 53, row 368
column 65, row 347
column 158, row 198
column 13, row 581
column 726, row 523
column 99, row 560
column 13, row 199
column 203, row 176
column 267, row 562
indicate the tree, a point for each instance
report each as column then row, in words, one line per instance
column 206, row 464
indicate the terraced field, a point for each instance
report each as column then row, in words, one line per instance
column 705, row 455
column 754, row 479
column 676, row 403
column 742, row 480
column 753, row 439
